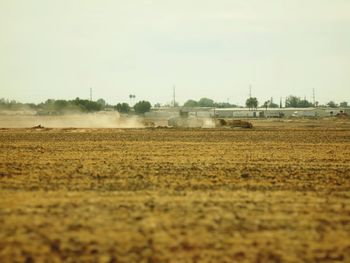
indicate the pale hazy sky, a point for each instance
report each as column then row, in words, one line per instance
column 61, row 48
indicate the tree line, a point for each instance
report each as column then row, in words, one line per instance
column 206, row 102
column 58, row 107
column 253, row 103
column 52, row 107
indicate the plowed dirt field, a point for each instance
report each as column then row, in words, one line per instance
column 175, row 195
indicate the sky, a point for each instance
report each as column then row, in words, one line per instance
column 61, row 48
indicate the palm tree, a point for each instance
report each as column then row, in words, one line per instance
column 131, row 96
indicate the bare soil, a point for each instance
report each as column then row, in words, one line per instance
column 276, row 193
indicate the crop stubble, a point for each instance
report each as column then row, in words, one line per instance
column 170, row 195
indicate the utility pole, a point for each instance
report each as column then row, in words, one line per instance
column 250, row 90
column 174, row 96
column 313, row 97
column 90, row 94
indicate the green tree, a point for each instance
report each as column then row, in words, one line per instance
column 123, row 107
column 305, row 104
column 60, row 105
column 297, row 102
column 191, row 103
column 205, row 102
column 292, row 102
column 142, row 106
column 87, row 105
column 224, row 105
column 332, row 104
column 343, row 104
column 15, row 105
column 102, row 102
column 252, row 103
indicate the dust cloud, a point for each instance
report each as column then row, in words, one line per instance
column 208, row 123
column 93, row 120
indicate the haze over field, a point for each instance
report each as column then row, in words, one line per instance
column 61, row 48
column 111, row 120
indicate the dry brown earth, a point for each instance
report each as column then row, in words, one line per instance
column 272, row 194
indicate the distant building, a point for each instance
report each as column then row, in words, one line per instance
column 202, row 112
